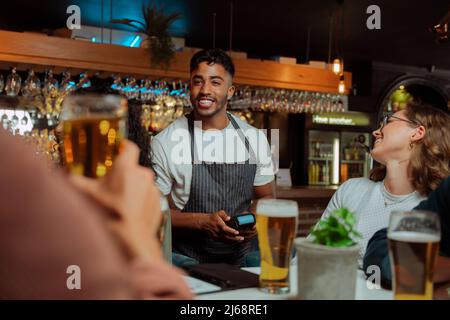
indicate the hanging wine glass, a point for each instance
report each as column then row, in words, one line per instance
column 306, row 102
column 149, row 90
column 246, row 98
column 341, row 105
column 32, row 85
column 14, row 120
column 67, row 84
column 117, row 84
column 256, row 101
column 315, row 103
column 140, row 93
column 333, row 104
column 9, row 127
column 179, row 105
column 327, row 101
column 294, row 102
column 5, row 120
column 84, row 81
column 13, row 83
column 131, row 88
column 271, row 100
column 50, row 85
column 24, row 119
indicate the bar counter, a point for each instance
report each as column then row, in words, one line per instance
column 312, row 201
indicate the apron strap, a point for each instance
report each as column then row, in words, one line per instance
column 243, row 138
column 194, row 157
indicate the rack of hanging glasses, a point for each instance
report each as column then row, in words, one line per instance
column 30, row 108
column 162, row 101
column 250, row 100
column 288, row 101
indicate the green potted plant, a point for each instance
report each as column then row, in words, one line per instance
column 328, row 259
column 156, row 26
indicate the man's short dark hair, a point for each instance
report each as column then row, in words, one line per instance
column 212, row 56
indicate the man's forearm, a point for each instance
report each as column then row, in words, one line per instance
column 263, row 192
column 189, row 220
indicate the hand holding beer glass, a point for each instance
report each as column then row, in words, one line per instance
column 276, row 222
column 93, row 127
column 413, row 247
column 93, row 132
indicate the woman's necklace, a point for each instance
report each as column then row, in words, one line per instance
column 388, row 202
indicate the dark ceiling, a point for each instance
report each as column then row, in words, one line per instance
column 271, row 28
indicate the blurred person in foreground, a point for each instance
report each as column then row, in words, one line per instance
column 106, row 227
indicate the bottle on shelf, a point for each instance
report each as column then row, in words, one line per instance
column 317, row 149
column 325, row 174
column 316, row 173
column 344, row 172
column 310, row 172
column 319, row 172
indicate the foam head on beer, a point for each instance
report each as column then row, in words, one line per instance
column 277, row 208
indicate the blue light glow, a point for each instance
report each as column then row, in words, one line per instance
column 135, row 41
column 93, row 39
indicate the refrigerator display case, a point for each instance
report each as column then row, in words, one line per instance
column 323, row 159
column 337, row 148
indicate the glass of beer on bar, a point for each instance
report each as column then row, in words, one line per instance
column 413, row 247
column 93, row 127
column 276, row 223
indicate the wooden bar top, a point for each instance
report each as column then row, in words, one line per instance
column 30, row 50
column 305, row 192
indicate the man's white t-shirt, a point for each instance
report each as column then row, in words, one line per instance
column 171, row 155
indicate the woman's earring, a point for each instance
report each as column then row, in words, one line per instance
column 411, row 145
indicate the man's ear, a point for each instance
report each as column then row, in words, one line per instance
column 230, row 92
column 419, row 134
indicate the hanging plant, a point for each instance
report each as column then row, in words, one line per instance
column 156, row 26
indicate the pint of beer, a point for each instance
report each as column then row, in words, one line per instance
column 413, row 247
column 276, row 223
column 165, row 230
column 92, row 129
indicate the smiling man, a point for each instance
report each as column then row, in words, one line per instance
column 223, row 165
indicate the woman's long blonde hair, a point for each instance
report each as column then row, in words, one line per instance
column 430, row 158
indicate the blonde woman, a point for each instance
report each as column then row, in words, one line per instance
column 413, row 148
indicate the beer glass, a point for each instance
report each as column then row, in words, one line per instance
column 413, row 247
column 165, row 230
column 92, row 129
column 276, row 223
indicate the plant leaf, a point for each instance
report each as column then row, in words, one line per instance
column 336, row 230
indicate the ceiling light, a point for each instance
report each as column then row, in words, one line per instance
column 341, row 87
column 337, row 66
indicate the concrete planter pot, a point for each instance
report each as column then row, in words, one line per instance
column 326, row 272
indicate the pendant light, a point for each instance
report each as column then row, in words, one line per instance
column 341, row 86
column 337, row 66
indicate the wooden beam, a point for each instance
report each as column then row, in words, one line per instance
column 31, row 49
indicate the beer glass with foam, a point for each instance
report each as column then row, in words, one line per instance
column 413, row 247
column 276, row 223
column 92, row 129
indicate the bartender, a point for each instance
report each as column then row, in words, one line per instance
column 212, row 165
